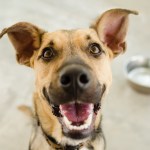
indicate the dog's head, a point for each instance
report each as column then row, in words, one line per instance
column 72, row 69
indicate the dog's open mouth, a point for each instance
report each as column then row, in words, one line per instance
column 77, row 119
column 77, row 116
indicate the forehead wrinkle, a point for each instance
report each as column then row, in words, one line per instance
column 69, row 45
column 70, row 42
column 75, row 40
column 65, row 40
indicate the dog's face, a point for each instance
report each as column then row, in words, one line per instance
column 72, row 74
column 72, row 69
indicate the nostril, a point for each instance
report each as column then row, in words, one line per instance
column 83, row 79
column 65, row 80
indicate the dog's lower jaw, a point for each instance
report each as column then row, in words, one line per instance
column 77, row 119
column 51, row 126
column 97, row 135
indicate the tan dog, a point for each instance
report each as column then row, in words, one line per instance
column 73, row 74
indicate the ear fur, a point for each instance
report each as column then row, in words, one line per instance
column 25, row 38
column 112, row 27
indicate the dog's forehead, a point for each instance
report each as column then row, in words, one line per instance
column 76, row 35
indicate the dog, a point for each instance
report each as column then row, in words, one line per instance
column 73, row 75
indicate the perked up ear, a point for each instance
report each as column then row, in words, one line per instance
column 25, row 38
column 111, row 27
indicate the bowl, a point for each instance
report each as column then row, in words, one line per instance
column 137, row 72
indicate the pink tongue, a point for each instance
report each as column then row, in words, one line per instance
column 76, row 112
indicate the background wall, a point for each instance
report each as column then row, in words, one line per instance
column 126, row 120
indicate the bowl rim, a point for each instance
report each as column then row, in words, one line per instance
column 126, row 73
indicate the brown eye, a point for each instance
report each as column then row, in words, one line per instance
column 48, row 53
column 95, row 49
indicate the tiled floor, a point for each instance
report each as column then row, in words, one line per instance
column 126, row 120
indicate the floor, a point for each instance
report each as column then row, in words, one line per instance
column 126, row 113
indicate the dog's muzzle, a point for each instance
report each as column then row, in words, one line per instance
column 76, row 100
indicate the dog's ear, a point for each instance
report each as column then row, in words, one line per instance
column 111, row 27
column 25, row 38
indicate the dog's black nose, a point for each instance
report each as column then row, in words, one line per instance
column 74, row 77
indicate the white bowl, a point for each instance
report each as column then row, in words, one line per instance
column 137, row 71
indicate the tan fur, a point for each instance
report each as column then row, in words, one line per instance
column 68, row 44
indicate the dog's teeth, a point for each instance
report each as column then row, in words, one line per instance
column 86, row 124
column 89, row 120
column 67, row 121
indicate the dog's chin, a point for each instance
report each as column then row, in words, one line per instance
column 77, row 119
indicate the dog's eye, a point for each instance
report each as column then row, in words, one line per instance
column 95, row 49
column 48, row 53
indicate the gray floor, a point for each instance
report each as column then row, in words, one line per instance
column 126, row 120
